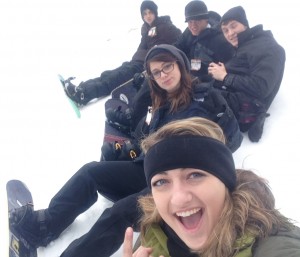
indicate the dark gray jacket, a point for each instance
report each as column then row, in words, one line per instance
column 283, row 244
column 256, row 69
column 162, row 31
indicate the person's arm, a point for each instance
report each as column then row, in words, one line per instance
column 169, row 33
column 262, row 72
column 142, row 50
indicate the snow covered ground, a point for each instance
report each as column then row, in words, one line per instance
column 43, row 143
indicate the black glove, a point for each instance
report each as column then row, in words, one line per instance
column 215, row 104
column 138, row 78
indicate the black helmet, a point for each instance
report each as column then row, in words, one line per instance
column 195, row 10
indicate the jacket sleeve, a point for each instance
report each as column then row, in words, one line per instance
column 141, row 51
column 285, row 244
column 172, row 34
column 264, row 72
column 167, row 33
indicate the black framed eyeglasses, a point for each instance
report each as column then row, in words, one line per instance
column 167, row 68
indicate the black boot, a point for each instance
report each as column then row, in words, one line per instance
column 122, row 117
column 256, row 129
column 129, row 151
column 32, row 225
column 125, row 151
column 111, row 151
column 76, row 93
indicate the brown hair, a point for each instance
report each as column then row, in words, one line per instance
column 178, row 99
column 248, row 210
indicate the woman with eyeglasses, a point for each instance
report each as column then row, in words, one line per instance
column 175, row 97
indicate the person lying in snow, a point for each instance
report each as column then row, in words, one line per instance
column 155, row 30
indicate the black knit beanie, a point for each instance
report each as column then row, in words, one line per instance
column 195, row 10
column 179, row 55
column 149, row 5
column 237, row 14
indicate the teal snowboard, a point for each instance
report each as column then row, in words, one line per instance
column 73, row 104
column 18, row 195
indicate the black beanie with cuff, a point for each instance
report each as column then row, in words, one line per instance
column 180, row 56
column 237, row 14
column 149, row 5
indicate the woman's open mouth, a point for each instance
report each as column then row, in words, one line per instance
column 190, row 219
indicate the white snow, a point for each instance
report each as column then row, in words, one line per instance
column 43, row 143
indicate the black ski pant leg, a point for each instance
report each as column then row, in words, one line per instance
column 119, row 179
column 107, row 235
column 75, row 197
column 81, row 191
column 114, row 78
column 109, row 80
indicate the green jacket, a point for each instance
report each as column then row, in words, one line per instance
column 283, row 244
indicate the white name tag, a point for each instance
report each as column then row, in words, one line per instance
column 152, row 32
column 195, row 64
column 149, row 115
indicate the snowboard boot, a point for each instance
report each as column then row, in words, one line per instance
column 32, row 225
column 256, row 129
column 127, row 151
column 76, row 93
column 118, row 116
column 111, row 151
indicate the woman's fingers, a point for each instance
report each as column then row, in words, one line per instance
column 127, row 244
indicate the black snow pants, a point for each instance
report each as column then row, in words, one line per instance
column 110, row 79
column 120, row 181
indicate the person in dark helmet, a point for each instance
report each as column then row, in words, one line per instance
column 155, row 30
column 251, row 79
column 175, row 96
column 202, row 41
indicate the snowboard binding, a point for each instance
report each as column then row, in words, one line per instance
column 71, row 91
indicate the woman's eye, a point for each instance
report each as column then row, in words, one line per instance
column 155, row 73
column 196, row 175
column 167, row 66
column 159, row 183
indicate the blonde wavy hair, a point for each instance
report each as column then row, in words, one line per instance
column 248, row 210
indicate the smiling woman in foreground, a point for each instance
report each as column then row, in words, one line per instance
column 201, row 205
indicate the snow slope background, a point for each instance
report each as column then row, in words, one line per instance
column 43, row 143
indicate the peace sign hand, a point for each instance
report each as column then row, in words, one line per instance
column 127, row 246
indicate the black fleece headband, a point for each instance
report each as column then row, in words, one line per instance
column 196, row 152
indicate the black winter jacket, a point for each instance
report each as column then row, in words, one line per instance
column 206, row 103
column 209, row 46
column 161, row 31
column 256, row 69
